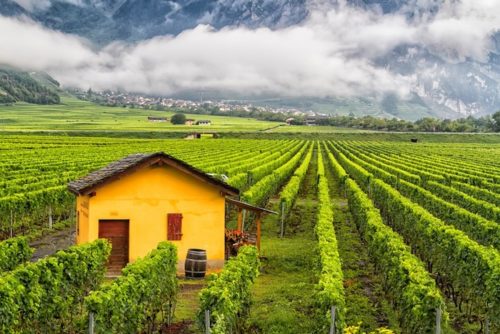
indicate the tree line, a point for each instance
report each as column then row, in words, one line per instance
column 490, row 123
column 427, row 124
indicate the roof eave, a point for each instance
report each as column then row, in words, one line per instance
column 195, row 172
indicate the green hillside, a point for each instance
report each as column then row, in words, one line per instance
column 73, row 114
column 37, row 88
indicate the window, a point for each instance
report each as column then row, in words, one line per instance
column 174, row 226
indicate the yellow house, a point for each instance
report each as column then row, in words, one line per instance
column 143, row 199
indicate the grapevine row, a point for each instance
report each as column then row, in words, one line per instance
column 471, row 269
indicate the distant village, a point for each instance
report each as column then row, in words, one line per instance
column 113, row 98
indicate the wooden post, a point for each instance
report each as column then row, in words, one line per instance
column 282, row 232
column 438, row 321
column 487, row 326
column 50, row 217
column 91, row 323
column 240, row 219
column 11, row 223
column 258, row 230
column 332, row 325
column 207, row 322
column 243, row 220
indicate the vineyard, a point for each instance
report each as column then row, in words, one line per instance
column 424, row 219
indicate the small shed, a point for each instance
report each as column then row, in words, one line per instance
column 157, row 119
column 189, row 121
column 310, row 121
column 143, row 199
column 204, row 122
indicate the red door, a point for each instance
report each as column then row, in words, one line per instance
column 117, row 232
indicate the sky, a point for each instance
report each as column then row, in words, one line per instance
column 334, row 52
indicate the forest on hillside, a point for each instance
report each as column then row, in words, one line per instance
column 20, row 86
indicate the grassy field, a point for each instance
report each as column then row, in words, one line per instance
column 284, row 298
column 81, row 118
column 75, row 115
column 316, row 129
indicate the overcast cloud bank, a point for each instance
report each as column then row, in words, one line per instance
column 332, row 53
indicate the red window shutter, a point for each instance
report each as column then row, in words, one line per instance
column 174, row 226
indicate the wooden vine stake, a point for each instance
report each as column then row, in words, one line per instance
column 91, row 323
column 332, row 324
column 438, row 320
column 50, row 217
column 243, row 220
column 207, row 322
column 11, row 223
column 282, row 232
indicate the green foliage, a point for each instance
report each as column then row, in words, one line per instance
column 496, row 121
column 412, row 290
column 13, row 252
column 47, row 296
column 477, row 192
column 357, row 330
column 20, row 86
column 426, row 124
column 290, row 191
column 249, row 172
column 471, row 270
column 228, row 294
column 275, row 177
column 28, row 205
column 478, row 228
column 482, row 208
column 178, row 119
column 140, row 300
column 262, row 170
column 331, row 288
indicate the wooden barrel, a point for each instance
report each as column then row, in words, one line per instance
column 196, row 263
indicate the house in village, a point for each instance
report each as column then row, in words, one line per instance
column 143, row 199
column 189, row 121
column 157, row 119
column 203, row 122
column 310, row 121
column 198, row 135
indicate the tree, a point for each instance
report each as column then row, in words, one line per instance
column 496, row 119
column 427, row 124
column 178, row 119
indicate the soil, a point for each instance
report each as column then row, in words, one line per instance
column 53, row 242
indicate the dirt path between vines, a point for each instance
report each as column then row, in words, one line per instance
column 53, row 242
column 283, row 294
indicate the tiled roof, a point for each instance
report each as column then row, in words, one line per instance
column 119, row 167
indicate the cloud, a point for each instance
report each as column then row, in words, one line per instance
column 463, row 29
column 333, row 53
column 29, row 45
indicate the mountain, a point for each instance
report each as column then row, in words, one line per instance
column 440, row 87
column 34, row 87
column 104, row 21
column 11, row 8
